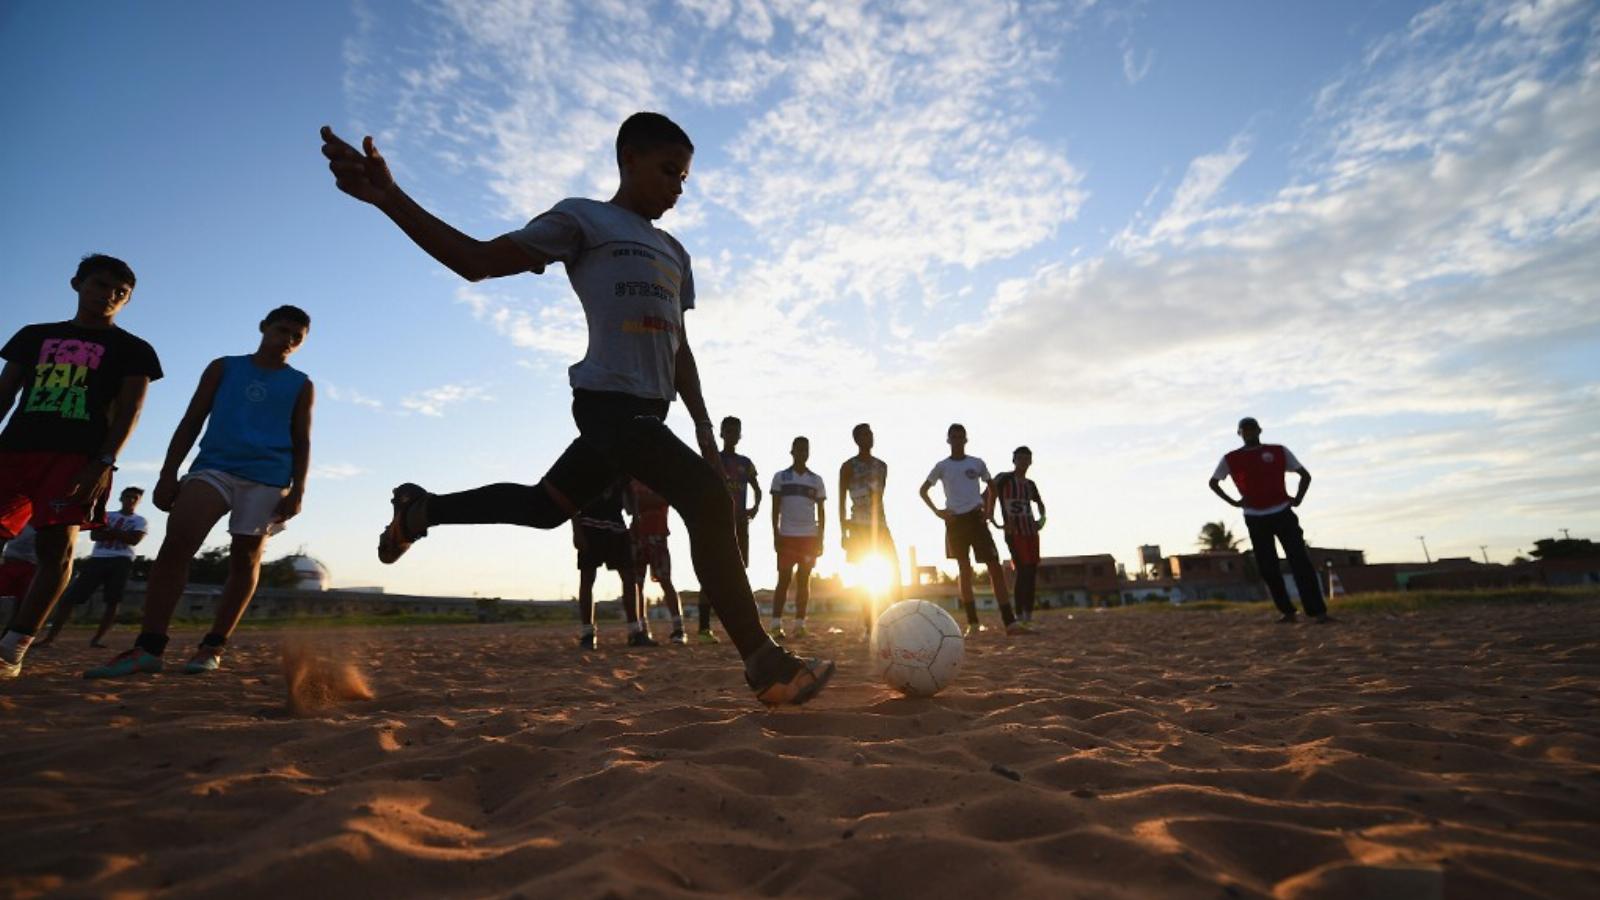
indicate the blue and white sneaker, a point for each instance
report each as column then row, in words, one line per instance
column 128, row 662
column 206, row 659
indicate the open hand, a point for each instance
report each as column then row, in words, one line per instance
column 362, row 174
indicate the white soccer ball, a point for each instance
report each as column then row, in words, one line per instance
column 917, row 648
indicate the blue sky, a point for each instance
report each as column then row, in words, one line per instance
column 1103, row 230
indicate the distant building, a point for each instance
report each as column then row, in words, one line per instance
column 1078, row 580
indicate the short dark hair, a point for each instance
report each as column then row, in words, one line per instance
column 1250, row 421
column 645, row 131
column 1022, row 449
column 131, row 490
column 730, row 420
column 292, row 313
column 953, row 427
column 800, row 439
column 99, row 262
column 856, row 431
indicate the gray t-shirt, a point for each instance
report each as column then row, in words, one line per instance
column 634, row 282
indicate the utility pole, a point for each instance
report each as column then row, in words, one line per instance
column 1565, row 534
column 1425, row 556
column 1484, row 549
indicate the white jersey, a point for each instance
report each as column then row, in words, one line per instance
column 634, row 282
column 120, row 522
column 963, row 480
column 797, row 496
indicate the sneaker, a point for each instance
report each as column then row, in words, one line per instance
column 128, row 662
column 801, row 632
column 973, row 627
column 1324, row 619
column 1020, row 627
column 590, row 641
column 642, row 639
column 1287, row 619
column 777, row 634
column 707, row 636
column 206, row 659
column 9, row 669
column 678, row 637
column 793, row 680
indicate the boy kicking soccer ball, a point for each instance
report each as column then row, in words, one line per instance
column 635, row 284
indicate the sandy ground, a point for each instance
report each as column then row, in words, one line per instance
column 1429, row 754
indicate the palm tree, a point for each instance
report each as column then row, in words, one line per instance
column 1215, row 536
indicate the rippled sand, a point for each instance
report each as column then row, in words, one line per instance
column 1429, row 754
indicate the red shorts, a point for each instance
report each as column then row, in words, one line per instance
column 650, row 551
column 15, row 576
column 33, row 486
column 798, row 551
column 1024, row 548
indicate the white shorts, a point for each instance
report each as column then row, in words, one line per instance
column 253, row 505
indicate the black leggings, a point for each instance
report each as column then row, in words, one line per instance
column 1027, row 576
column 619, row 434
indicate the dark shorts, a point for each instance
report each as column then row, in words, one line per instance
column 33, row 486
column 862, row 541
column 15, row 577
column 969, row 531
column 1024, row 548
column 612, row 549
column 96, row 572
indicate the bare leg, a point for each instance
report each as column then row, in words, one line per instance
column 965, row 581
column 669, row 595
column 780, row 594
column 633, row 598
column 54, row 546
column 106, row 621
column 802, row 590
column 244, row 572
column 1002, row 592
column 586, row 597
column 197, row 509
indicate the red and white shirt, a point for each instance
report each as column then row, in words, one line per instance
column 1258, row 474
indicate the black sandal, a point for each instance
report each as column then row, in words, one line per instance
column 396, row 539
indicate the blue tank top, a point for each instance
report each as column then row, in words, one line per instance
column 249, row 434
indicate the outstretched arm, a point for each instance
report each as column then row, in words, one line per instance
column 365, row 176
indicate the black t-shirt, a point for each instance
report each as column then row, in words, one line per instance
column 71, row 378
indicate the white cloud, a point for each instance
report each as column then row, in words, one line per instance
column 433, row 401
column 350, row 395
column 338, row 471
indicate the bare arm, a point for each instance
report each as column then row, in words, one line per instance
column 1039, row 499
column 1305, row 485
column 184, row 436
column 300, row 435
column 1216, row 488
column 755, row 491
column 10, row 385
column 988, row 506
column 923, row 491
column 365, row 176
column 95, row 477
column 776, row 506
column 687, row 381
column 845, row 474
column 822, row 521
